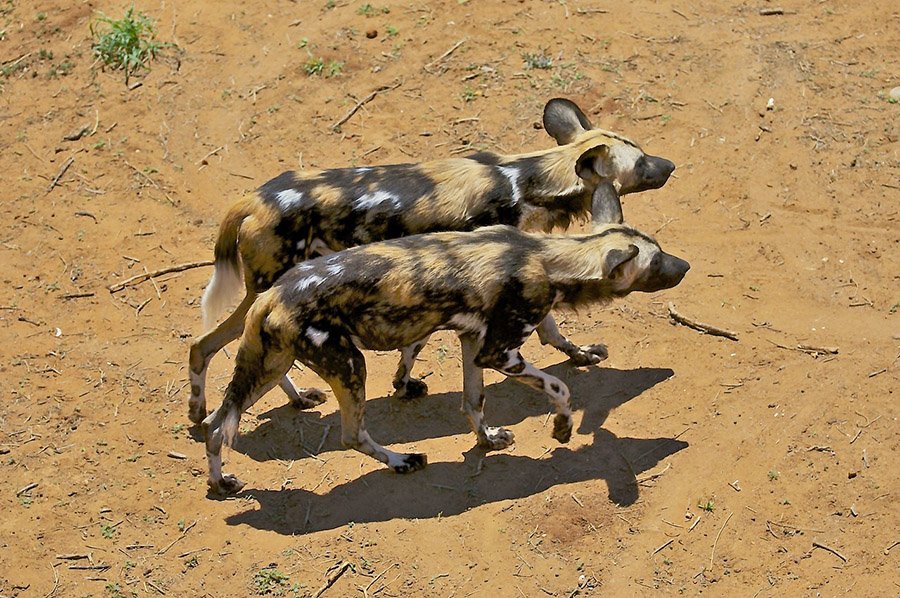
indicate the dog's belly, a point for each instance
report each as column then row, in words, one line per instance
column 383, row 333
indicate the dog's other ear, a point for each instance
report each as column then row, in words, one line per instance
column 606, row 207
column 564, row 121
column 594, row 164
column 615, row 259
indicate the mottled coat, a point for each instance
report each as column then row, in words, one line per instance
column 492, row 286
column 297, row 216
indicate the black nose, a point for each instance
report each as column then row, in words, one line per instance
column 675, row 269
column 659, row 169
column 666, row 167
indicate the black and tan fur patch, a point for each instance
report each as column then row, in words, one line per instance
column 492, row 286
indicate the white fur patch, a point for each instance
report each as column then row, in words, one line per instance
column 313, row 280
column 561, row 397
column 224, row 285
column 370, row 200
column 289, row 198
column 335, row 268
column 513, row 175
column 316, row 336
column 512, row 358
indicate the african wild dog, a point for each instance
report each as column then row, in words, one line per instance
column 295, row 216
column 492, row 286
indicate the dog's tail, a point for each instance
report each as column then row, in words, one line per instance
column 225, row 283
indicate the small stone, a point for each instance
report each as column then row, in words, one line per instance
column 895, row 94
column 770, row 105
column 372, row 33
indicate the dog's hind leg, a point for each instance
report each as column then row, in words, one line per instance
column 512, row 364
column 340, row 363
column 407, row 387
column 473, row 398
column 549, row 334
column 258, row 368
column 202, row 351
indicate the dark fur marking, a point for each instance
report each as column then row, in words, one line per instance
column 517, row 368
column 487, row 158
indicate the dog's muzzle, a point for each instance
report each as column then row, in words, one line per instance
column 650, row 172
column 667, row 272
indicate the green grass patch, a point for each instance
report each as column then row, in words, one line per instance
column 128, row 43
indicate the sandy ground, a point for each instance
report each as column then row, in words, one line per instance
column 700, row 465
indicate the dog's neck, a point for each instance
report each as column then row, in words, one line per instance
column 542, row 177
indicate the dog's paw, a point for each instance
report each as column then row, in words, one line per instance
column 562, row 428
column 589, row 355
column 497, row 439
column 196, row 412
column 410, row 463
column 229, row 484
column 413, row 389
column 309, row 398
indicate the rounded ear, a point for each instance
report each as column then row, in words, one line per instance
column 615, row 259
column 606, row 206
column 564, row 120
column 593, row 163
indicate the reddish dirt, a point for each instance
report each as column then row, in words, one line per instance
column 700, row 464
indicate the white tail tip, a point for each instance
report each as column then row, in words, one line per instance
column 223, row 287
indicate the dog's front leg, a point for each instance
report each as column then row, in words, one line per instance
column 473, row 398
column 549, row 334
column 512, row 364
column 407, row 387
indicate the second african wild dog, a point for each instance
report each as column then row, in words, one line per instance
column 492, row 286
column 295, row 216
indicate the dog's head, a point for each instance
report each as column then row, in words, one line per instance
column 632, row 261
column 610, row 156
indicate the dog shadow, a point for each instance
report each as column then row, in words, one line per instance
column 286, row 433
column 445, row 489
column 451, row 488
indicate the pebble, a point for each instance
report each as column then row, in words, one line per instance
column 895, row 94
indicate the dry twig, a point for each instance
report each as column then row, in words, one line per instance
column 663, row 546
column 335, row 575
column 172, row 543
column 363, row 101
column 829, row 549
column 716, row 543
column 55, row 582
column 697, row 325
column 453, row 49
column 113, row 288
column 151, row 181
column 60, row 174
column 810, row 349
